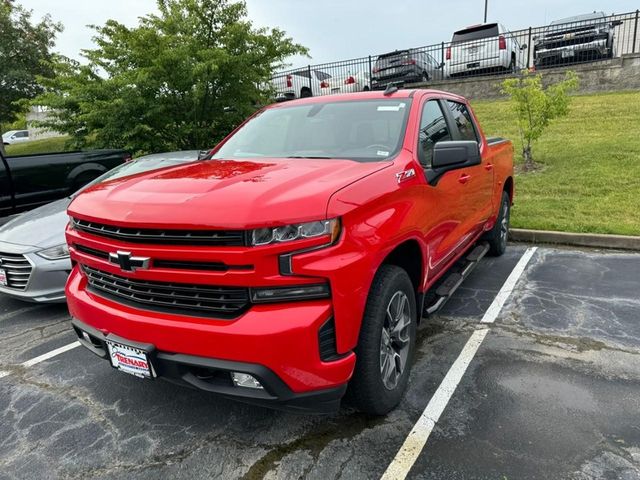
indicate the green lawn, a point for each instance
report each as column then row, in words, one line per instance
column 46, row 145
column 590, row 180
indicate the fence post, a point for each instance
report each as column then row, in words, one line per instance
column 635, row 33
column 370, row 73
column 310, row 81
column 529, row 48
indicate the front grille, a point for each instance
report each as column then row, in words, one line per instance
column 227, row 238
column 17, row 269
column 179, row 298
column 560, row 42
column 171, row 264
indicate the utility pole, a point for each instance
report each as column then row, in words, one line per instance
column 486, row 5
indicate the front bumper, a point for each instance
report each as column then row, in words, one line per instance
column 47, row 280
column 214, row 375
column 282, row 339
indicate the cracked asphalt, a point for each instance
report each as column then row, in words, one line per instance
column 553, row 392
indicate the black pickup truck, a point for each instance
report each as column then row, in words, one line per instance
column 28, row 181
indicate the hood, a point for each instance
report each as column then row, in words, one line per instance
column 42, row 227
column 223, row 193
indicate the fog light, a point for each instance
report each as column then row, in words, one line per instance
column 245, row 380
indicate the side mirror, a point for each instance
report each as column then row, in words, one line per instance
column 524, row 46
column 615, row 23
column 453, row 155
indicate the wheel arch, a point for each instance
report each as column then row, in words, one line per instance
column 508, row 187
column 408, row 255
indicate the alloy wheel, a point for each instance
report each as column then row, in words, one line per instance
column 394, row 342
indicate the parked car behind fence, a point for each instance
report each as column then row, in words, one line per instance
column 582, row 38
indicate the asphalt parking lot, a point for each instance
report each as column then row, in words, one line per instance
column 553, row 391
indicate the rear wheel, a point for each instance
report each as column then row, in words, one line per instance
column 386, row 345
column 425, row 77
column 499, row 234
column 305, row 93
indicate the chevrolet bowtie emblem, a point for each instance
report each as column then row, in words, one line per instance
column 127, row 262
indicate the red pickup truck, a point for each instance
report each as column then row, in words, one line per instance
column 295, row 265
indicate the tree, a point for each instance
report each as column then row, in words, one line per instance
column 536, row 106
column 181, row 79
column 25, row 54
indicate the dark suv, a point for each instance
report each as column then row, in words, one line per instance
column 408, row 66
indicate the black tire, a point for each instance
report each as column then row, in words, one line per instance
column 366, row 88
column 83, row 179
column 425, row 77
column 499, row 234
column 305, row 93
column 369, row 390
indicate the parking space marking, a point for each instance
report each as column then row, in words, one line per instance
column 44, row 356
column 505, row 291
column 419, row 434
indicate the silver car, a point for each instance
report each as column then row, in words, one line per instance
column 34, row 258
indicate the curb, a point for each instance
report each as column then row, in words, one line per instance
column 620, row 242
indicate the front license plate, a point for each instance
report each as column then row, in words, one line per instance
column 3, row 278
column 130, row 360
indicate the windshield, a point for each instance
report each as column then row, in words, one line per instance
column 579, row 18
column 144, row 164
column 363, row 130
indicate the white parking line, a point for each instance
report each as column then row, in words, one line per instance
column 419, row 434
column 43, row 357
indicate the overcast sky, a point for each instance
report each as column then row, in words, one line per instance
column 336, row 29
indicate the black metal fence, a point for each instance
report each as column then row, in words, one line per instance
column 487, row 49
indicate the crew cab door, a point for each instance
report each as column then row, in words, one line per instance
column 444, row 215
column 477, row 190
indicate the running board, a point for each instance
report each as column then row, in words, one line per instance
column 460, row 271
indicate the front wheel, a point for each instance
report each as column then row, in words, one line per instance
column 499, row 234
column 386, row 344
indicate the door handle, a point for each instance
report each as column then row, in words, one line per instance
column 488, row 167
column 464, row 178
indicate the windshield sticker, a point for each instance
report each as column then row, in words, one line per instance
column 390, row 108
column 382, row 153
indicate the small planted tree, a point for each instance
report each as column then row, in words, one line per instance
column 536, row 106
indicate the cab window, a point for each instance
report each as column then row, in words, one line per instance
column 462, row 118
column 433, row 129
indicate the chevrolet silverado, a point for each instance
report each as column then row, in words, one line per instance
column 295, row 266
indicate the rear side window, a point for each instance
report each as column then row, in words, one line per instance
column 476, row 33
column 433, row 129
column 462, row 117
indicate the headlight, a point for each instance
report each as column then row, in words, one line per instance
column 55, row 253
column 289, row 233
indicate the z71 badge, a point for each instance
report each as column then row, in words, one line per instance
column 407, row 174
